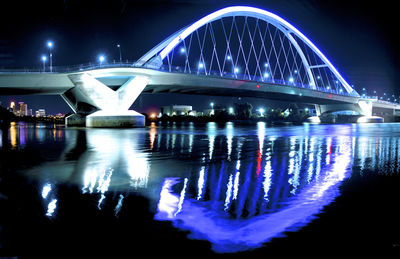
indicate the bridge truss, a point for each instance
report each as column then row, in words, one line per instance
column 250, row 44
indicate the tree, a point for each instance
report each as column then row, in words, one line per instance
column 243, row 110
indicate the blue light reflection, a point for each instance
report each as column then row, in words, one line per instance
column 239, row 220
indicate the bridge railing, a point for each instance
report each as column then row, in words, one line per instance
column 259, row 79
column 66, row 69
column 127, row 63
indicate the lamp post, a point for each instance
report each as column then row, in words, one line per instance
column 101, row 59
column 120, row 54
column 50, row 46
column 212, row 108
column 261, row 111
column 44, row 58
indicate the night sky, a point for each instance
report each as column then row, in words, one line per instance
column 359, row 37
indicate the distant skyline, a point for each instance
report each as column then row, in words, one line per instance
column 358, row 37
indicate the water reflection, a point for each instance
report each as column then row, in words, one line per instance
column 254, row 210
column 236, row 187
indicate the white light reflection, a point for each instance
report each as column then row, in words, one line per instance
column 261, row 134
column 328, row 150
column 267, row 175
column 229, row 137
column 311, row 160
column 103, row 184
column 200, row 182
column 190, row 143
column 232, row 188
column 228, row 193
column 152, row 135
column 232, row 235
column 51, row 207
column 211, row 132
column 236, row 182
column 46, row 189
column 113, row 153
column 170, row 204
column 46, row 195
column 119, row 205
column 295, row 179
column 182, row 196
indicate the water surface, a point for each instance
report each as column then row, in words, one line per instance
column 218, row 189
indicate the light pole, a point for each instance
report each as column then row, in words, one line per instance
column 120, row 54
column 50, row 46
column 261, row 111
column 101, row 59
column 44, row 58
column 212, row 108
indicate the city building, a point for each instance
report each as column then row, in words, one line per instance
column 11, row 108
column 172, row 110
column 40, row 113
column 21, row 109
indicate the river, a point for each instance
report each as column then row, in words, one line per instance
column 202, row 189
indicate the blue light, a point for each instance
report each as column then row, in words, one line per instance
column 50, row 44
column 182, row 50
column 44, row 58
column 269, row 17
column 236, row 70
column 233, row 234
column 228, row 57
column 266, row 75
column 201, row 65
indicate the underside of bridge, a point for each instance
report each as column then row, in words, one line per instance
column 102, row 98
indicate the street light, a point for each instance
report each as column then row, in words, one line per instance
column 120, row 54
column 101, row 59
column 50, row 46
column 212, row 108
column 44, row 58
column 261, row 111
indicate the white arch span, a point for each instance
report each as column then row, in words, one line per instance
column 165, row 47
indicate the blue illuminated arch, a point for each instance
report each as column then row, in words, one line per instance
column 158, row 53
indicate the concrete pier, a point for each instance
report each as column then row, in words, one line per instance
column 102, row 119
column 126, row 119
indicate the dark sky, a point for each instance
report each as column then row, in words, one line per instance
column 359, row 37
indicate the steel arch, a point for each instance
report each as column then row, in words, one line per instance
column 159, row 52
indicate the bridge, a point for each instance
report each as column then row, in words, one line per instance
column 236, row 51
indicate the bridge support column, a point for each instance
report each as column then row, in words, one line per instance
column 315, row 119
column 97, row 105
column 363, row 107
column 366, row 111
